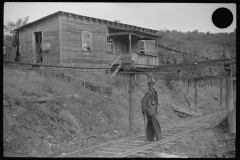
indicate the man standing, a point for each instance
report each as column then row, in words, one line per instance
column 149, row 110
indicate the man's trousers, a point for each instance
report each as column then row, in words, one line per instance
column 153, row 128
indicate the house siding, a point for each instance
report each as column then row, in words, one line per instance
column 50, row 31
column 67, row 29
column 72, row 53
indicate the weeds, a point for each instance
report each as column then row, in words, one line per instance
column 200, row 143
column 78, row 112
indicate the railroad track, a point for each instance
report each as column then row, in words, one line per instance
column 136, row 146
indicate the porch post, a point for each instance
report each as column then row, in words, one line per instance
column 234, row 92
column 130, row 47
column 157, row 51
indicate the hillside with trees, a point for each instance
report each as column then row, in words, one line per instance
column 210, row 45
column 11, row 41
column 184, row 47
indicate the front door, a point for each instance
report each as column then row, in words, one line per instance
column 37, row 51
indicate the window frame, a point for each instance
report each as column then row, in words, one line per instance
column 144, row 45
column 111, row 44
column 84, row 40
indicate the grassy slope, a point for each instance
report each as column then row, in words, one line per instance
column 77, row 114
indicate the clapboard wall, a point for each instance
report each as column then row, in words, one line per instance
column 71, row 40
column 64, row 33
column 50, row 31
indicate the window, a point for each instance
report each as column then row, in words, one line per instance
column 141, row 46
column 109, row 44
column 86, row 41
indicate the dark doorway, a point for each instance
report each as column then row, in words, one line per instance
column 38, row 49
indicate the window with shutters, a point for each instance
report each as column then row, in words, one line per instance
column 109, row 44
column 86, row 41
column 142, row 46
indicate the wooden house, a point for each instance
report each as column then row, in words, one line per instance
column 83, row 41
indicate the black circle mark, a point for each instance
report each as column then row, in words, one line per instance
column 222, row 17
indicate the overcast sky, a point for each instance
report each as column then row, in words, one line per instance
column 182, row 17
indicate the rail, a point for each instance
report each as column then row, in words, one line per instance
column 132, row 145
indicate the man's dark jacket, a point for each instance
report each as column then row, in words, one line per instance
column 150, row 103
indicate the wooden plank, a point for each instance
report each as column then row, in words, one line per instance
column 98, row 55
column 206, row 78
column 115, row 60
column 46, row 65
column 179, row 109
column 115, row 72
column 216, row 62
column 86, row 60
column 119, row 33
column 229, row 100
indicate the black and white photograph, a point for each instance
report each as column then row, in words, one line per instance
column 119, row 80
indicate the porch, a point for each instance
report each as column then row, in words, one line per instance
column 132, row 48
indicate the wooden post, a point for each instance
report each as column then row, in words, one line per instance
column 221, row 87
column 130, row 47
column 229, row 99
column 157, row 53
column 157, row 45
column 131, row 100
column 234, row 93
column 195, row 87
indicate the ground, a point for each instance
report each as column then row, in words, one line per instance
column 43, row 114
column 214, row 142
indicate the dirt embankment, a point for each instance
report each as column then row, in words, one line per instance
column 43, row 115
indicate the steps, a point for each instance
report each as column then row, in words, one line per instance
column 115, row 72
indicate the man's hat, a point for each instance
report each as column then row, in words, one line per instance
column 151, row 81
